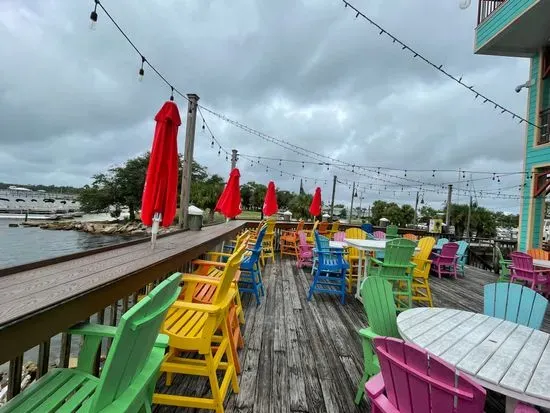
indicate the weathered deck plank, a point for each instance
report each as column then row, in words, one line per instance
column 306, row 357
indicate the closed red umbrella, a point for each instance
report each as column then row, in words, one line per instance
column 158, row 203
column 315, row 207
column 229, row 203
column 270, row 201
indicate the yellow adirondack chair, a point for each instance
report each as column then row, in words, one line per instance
column 333, row 229
column 309, row 233
column 353, row 256
column 191, row 327
column 421, row 273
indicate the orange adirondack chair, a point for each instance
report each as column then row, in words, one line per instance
column 288, row 241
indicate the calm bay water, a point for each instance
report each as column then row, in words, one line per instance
column 22, row 245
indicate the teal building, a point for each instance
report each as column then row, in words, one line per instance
column 521, row 28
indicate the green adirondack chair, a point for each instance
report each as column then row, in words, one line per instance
column 391, row 232
column 396, row 268
column 130, row 372
column 504, row 273
column 380, row 308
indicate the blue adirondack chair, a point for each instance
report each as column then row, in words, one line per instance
column 367, row 228
column 514, row 302
column 461, row 253
column 251, row 275
column 330, row 274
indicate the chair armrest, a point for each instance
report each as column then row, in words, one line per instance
column 436, row 254
column 92, row 330
column 367, row 333
column 374, row 260
column 376, row 386
column 218, row 254
column 211, row 263
column 194, row 278
column 205, row 308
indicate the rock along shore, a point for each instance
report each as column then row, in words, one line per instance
column 104, row 228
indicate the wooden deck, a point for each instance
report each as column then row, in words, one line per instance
column 302, row 356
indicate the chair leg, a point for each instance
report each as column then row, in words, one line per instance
column 230, row 363
column 361, row 388
column 213, row 379
column 312, row 287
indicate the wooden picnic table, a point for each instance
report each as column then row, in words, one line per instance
column 502, row 356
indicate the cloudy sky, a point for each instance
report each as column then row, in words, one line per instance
column 305, row 71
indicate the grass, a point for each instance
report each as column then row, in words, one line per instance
column 252, row 215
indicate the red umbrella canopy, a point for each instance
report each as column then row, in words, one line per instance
column 270, row 201
column 229, row 203
column 161, row 182
column 315, row 207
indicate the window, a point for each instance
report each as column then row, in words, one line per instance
column 544, row 123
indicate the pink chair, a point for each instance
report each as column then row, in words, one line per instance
column 446, row 261
column 379, row 234
column 305, row 251
column 522, row 269
column 339, row 236
column 413, row 380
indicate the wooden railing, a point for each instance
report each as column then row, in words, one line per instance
column 486, row 8
column 41, row 300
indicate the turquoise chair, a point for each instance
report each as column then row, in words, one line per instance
column 461, row 253
column 440, row 242
column 514, row 302
column 250, row 280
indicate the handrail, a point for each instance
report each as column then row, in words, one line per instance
column 486, row 8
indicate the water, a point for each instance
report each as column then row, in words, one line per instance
column 23, row 245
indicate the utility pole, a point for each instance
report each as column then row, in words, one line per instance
column 449, row 196
column 187, row 166
column 469, row 219
column 416, row 208
column 351, row 205
column 332, row 201
column 233, row 159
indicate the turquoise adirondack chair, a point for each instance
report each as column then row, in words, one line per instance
column 440, row 242
column 514, row 302
column 380, row 308
column 130, row 372
column 461, row 253
column 396, row 268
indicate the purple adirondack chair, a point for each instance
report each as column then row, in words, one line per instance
column 446, row 261
column 522, row 269
column 413, row 380
column 305, row 251
column 339, row 236
column 379, row 235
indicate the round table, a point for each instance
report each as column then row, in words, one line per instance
column 502, row 356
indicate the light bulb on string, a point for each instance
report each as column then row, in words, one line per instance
column 433, row 173
column 93, row 16
column 142, row 72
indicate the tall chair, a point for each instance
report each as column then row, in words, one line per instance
column 333, row 229
column 413, row 380
column 288, row 241
column 504, row 273
column 380, row 309
column 392, row 232
column 250, row 279
column 323, row 228
column 339, row 236
column 538, row 254
column 421, row 291
column 353, row 255
column 445, row 262
column 461, row 254
column 514, row 302
column 305, row 257
column 330, row 274
column 522, row 270
column 396, row 268
column 191, row 328
column 130, row 371
column 440, row 242
column 310, row 232
column 268, row 244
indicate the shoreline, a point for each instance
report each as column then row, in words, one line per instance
column 96, row 227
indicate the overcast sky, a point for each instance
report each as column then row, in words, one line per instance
column 304, row 71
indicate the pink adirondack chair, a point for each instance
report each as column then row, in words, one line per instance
column 446, row 261
column 339, row 236
column 413, row 380
column 522, row 269
column 305, row 251
column 379, row 235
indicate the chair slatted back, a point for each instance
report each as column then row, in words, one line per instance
column 448, row 253
column 426, row 245
column 391, row 231
column 231, row 267
column 355, row 233
column 514, row 302
column 417, row 381
column 522, row 264
column 441, row 242
column 379, row 234
column 136, row 334
column 538, row 254
column 379, row 306
column 367, row 228
column 397, row 254
column 335, row 226
column 339, row 236
column 412, row 237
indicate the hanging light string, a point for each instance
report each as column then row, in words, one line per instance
column 320, row 158
column 439, row 68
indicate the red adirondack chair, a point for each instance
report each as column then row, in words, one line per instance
column 413, row 380
column 522, row 269
column 446, row 261
column 305, row 251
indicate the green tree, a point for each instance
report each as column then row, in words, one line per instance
column 284, row 198
column 407, row 215
column 205, row 193
column 299, row 206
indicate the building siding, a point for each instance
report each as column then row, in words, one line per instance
column 506, row 13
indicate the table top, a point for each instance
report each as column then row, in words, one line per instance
column 541, row 263
column 505, row 357
column 362, row 244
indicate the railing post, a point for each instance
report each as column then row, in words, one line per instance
column 14, row 376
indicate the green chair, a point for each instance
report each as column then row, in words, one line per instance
column 391, row 232
column 380, row 308
column 130, row 372
column 504, row 273
column 396, row 268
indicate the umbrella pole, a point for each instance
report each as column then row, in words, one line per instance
column 155, row 228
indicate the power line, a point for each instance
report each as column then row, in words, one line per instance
column 407, row 48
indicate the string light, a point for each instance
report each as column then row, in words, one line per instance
column 141, row 71
column 93, row 16
column 439, row 68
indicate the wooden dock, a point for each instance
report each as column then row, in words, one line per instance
column 302, row 356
